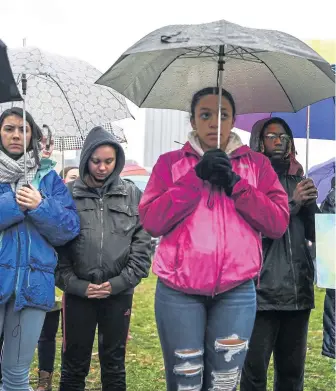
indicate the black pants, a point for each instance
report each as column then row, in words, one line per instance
column 285, row 334
column 47, row 341
column 81, row 317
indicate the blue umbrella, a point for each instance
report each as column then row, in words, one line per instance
column 316, row 121
column 322, row 120
column 322, row 175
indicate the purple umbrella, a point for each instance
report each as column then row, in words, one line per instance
column 322, row 175
column 322, row 120
column 316, row 121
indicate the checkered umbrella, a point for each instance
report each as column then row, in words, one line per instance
column 73, row 143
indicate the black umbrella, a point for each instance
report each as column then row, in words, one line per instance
column 8, row 88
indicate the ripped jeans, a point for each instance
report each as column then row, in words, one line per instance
column 204, row 339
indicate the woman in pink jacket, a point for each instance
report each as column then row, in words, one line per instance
column 211, row 207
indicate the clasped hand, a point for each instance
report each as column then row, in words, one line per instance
column 102, row 291
column 215, row 167
column 28, row 198
column 305, row 192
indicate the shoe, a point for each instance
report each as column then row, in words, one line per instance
column 45, row 381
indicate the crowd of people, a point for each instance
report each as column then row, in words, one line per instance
column 235, row 274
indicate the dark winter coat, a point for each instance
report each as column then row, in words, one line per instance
column 112, row 245
column 287, row 275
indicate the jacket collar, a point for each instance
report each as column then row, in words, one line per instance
column 235, row 153
column 82, row 190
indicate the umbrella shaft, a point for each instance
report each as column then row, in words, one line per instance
column 221, row 63
column 24, row 139
column 307, row 140
column 220, row 82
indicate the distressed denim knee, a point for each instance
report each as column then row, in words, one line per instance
column 189, row 369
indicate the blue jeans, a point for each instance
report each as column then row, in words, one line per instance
column 21, row 332
column 204, row 339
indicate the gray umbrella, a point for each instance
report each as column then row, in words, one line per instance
column 264, row 70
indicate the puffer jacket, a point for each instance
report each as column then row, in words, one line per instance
column 328, row 346
column 27, row 240
column 211, row 242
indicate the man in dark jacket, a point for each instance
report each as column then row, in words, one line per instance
column 99, row 270
column 285, row 293
column 328, row 346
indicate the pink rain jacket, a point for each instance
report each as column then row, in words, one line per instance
column 211, row 242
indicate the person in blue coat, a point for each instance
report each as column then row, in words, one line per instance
column 33, row 220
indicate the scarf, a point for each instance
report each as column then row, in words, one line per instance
column 12, row 171
column 234, row 143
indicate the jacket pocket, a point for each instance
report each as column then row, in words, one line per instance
column 123, row 219
column 7, row 279
column 309, row 259
column 39, row 285
column 86, row 211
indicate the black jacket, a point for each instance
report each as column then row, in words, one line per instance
column 112, row 245
column 287, row 275
column 328, row 205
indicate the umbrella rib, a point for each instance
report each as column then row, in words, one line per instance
column 235, row 49
column 202, row 51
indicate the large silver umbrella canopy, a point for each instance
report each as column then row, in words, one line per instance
column 264, row 70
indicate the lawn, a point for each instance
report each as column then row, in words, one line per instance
column 145, row 370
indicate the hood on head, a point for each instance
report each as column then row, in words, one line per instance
column 97, row 137
column 295, row 168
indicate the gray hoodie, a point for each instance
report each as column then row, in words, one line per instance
column 97, row 137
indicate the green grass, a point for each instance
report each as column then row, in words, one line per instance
column 145, row 371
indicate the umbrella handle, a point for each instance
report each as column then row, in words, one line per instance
column 221, row 63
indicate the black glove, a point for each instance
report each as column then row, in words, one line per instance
column 223, row 176
column 204, row 169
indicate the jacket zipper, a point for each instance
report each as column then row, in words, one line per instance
column 30, row 266
column 292, row 266
column 18, row 263
column 101, row 206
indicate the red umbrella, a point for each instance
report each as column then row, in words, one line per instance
column 133, row 169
